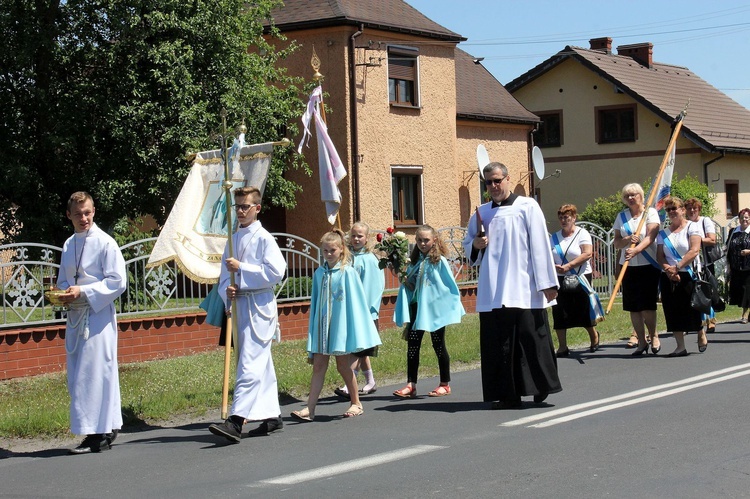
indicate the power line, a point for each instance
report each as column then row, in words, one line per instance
column 530, row 42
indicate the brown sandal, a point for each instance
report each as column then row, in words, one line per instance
column 440, row 391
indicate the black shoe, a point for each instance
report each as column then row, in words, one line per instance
column 92, row 443
column 538, row 399
column 681, row 353
column 228, row 429
column 111, row 437
column 562, row 353
column 640, row 351
column 267, row 427
column 341, row 392
column 514, row 403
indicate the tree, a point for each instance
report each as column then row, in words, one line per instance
column 110, row 97
column 602, row 211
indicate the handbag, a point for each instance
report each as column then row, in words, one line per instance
column 717, row 303
column 700, row 299
column 570, row 282
column 711, row 253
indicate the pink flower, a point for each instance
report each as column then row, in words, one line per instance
column 389, row 230
column 379, row 237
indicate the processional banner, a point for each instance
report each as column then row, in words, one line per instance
column 196, row 231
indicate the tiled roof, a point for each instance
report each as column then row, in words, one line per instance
column 714, row 121
column 389, row 15
column 480, row 96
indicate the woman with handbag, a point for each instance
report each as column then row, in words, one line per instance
column 572, row 250
column 640, row 285
column 710, row 251
column 738, row 259
column 676, row 250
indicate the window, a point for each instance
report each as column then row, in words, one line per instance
column 406, row 192
column 549, row 133
column 616, row 124
column 402, row 76
column 732, row 190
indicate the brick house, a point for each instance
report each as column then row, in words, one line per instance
column 408, row 111
column 606, row 122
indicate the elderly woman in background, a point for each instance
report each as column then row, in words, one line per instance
column 738, row 259
column 693, row 208
column 641, row 281
column 572, row 250
column 677, row 248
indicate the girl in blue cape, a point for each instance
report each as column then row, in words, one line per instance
column 429, row 300
column 373, row 282
column 340, row 323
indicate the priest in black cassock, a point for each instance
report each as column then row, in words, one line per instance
column 517, row 282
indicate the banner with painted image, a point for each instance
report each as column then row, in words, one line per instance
column 196, row 231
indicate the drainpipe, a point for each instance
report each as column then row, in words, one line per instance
column 353, row 120
column 705, row 166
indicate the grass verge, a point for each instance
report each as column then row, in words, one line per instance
column 37, row 407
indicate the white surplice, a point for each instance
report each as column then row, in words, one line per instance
column 262, row 266
column 514, row 270
column 91, row 332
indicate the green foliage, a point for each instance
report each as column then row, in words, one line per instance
column 602, row 211
column 110, row 97
column 295, row 287
column 690, row 187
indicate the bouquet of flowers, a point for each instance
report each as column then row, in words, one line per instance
column 395, row 247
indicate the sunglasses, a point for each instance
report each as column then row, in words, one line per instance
column 672, row 208
column 494, row 181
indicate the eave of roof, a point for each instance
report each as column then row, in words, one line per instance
column 387, row 15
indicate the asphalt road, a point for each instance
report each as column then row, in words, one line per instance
column 622, row 427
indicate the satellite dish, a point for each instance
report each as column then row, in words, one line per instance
column 537, row 161
column 483, row 159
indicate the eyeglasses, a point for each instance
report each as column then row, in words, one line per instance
column 672, row 208
column 243, row 207
column 494, row 181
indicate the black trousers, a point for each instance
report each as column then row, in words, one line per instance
column 414, row 346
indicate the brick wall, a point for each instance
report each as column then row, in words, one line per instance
column 38, row 350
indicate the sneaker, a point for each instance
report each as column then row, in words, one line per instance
column 267, row 427
column 228, row 429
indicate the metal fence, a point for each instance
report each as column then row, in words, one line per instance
column 25, row 268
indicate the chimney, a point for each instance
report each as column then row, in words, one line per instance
column 640, row 52
column 604, row 44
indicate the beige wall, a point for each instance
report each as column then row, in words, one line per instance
column 591, row 170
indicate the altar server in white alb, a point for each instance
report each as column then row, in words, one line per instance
column 517, row 281
column 92, row 270
column 258, row 266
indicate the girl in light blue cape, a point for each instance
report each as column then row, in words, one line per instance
column 365, row 263
column 340, row 323
column 429, row 300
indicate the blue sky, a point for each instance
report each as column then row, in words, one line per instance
column 710, row 38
